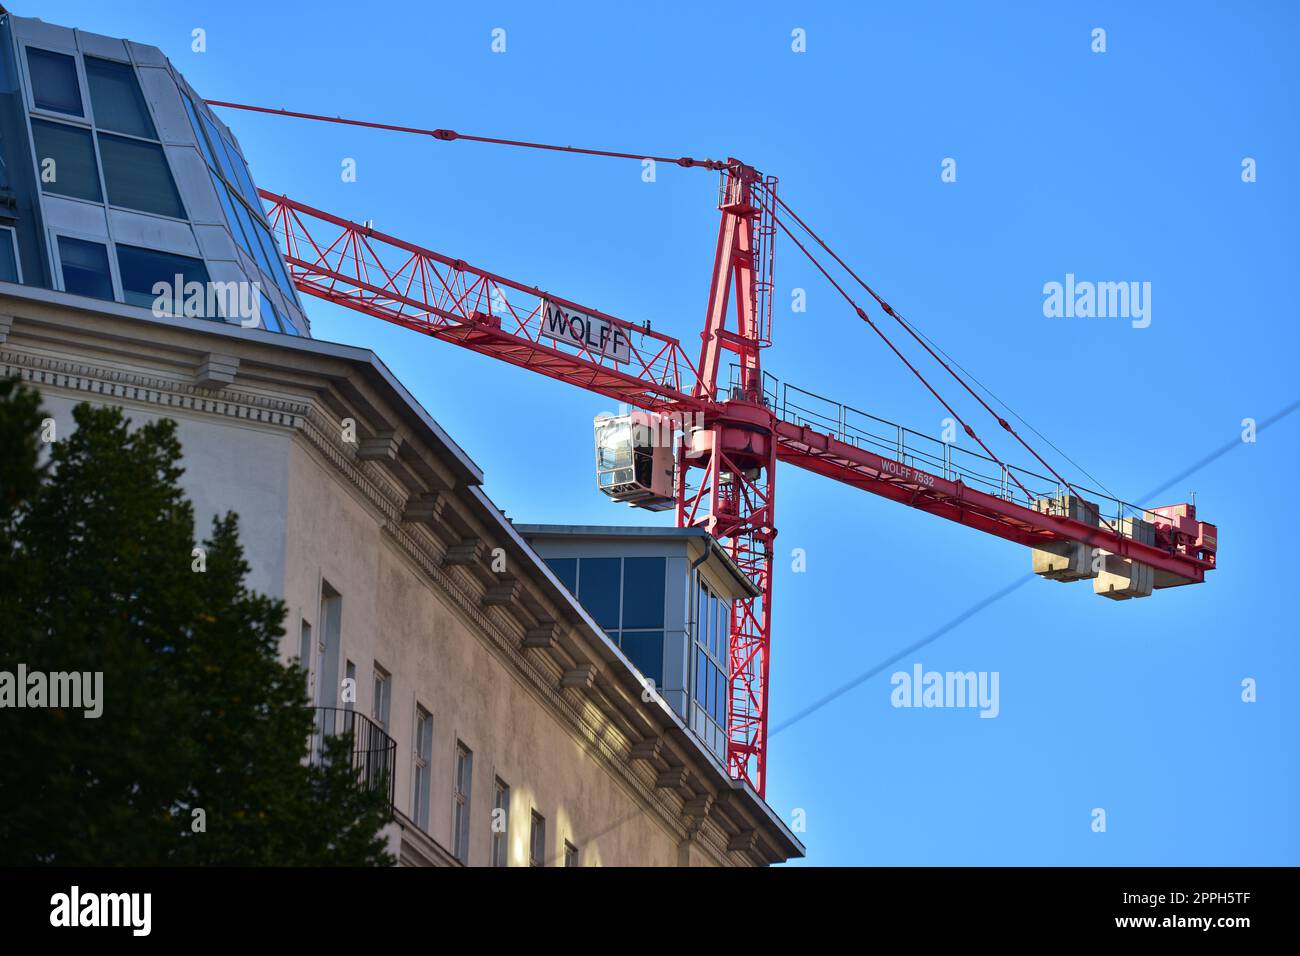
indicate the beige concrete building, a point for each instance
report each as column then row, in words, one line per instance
column 411, row 599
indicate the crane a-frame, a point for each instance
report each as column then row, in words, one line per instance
column 725, row 475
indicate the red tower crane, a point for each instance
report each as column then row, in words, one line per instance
column 742, row 427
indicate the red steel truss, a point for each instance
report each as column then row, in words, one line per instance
column 734, row 455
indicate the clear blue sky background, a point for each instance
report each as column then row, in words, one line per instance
column 1119, row 166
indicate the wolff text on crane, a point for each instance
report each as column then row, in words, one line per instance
column 591, row 332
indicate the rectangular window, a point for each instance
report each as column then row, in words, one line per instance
column 140, row 269
column 54, row 81
column 500, row 823
column 268, row 315
column 701, row 674
column 423, row 757
column 382, row 694
column 199, row 136
column 537, row 840
column 85, row 268
column 137, row 177
column 570, row 854
column 65, row 159
column 460, row 803
column 598, row 589
column 10, row 270
column 643, row 593
column 116, row 98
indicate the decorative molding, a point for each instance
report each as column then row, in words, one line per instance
column 502, row 594
column 541, row 637
column 216, row 371
column 382, row 447
column 106, row 383
column 467, row 552
column 423, row 507
column 670, row 779
column 746, row 841
column 582, row 677
column 647, row 749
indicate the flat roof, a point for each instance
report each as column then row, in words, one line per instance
column 645, row 532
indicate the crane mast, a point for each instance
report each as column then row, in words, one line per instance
column 735, row 452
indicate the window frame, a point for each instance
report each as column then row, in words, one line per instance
column 500, row 838
column 536, row 825
column 381, row 690
column 18, row 262
column 83, row 89
column 58, row 120
column 571, row 855
column 463, row 760
column 421, row 767
column 167, row 168
column 207, row 280
column 143, row 102
column 57, row 260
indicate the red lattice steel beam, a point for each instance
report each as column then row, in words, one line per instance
column 826, row 455
column 363, row 269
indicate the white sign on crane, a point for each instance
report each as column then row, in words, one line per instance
column 599, row 336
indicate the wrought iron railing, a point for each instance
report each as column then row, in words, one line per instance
column 373, row 752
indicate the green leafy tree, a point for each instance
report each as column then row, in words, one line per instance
column 199, row 756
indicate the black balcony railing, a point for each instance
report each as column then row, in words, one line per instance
column 374, row 753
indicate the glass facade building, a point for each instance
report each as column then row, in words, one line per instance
column 665, row 597
column 116, row 177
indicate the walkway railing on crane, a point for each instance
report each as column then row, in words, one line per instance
column 947, row 460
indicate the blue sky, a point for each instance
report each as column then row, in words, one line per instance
column 1115, row 166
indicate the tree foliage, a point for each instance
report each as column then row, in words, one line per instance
column 97, row 574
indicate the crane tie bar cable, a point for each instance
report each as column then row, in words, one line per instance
column 862, row 314
column 448, row 135
column 885, row 306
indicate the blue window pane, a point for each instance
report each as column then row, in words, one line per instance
column 643, row 592
column 142, row 269
column 218, row 147
column 115, row 95
column 566, row 569
column 722, row 628
column 232, row 220
column 137, row 176
column 710, row 698
column 720, row 698
column 269, row 318
column 54, row 81
column 242, row 180
column 646, row 652
column 8, row 259
column 598, row 589
column 279, row 273
column 199, row 135
column 65, row 156
column 710, row 636
column 700, row 602
column 701, row 674
column 85, row 268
